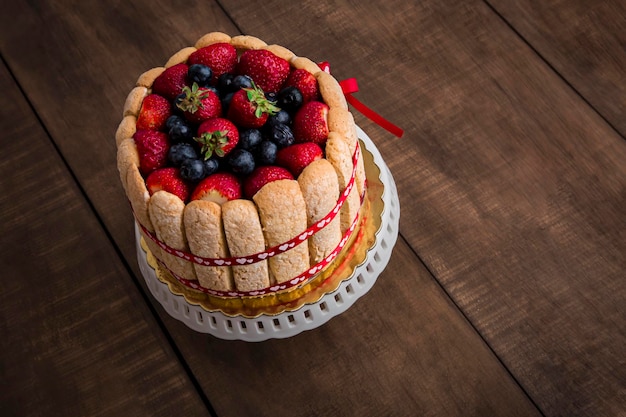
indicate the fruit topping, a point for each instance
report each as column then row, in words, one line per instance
column 220, row 57
column 180, row 152
column 249, row 108
column 290, row 99
column 199, row 74
column 263, row 175
column 296, row 157
column 310, row 124
column 219, row 188
column 154, row 113
column 267, row 70
column 250, row 139
column 241, row 161
column 266, row 153
column 171, row 81
column 192, row 170
column 153, row 148
column 305, row 82
column 281, row 135
column 217, row 136
column 199, row 104
column 168, row 179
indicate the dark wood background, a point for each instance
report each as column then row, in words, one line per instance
column 505, row 294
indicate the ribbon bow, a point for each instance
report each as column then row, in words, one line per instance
column 349, row 86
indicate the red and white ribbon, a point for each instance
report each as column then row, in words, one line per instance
column 350, row 86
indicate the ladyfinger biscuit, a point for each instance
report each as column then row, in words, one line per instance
column 301, row 62
column 180, row 56
column 147, row 78
column 341, row 121
column 244, row 236
column 205, row 236
column 132, row 105
column 281, row 52
column 330, row 90
column 211, row 38
column 339, row 155
column 126, row 129
column 166, row 214
column 247, row 42
column 320, row 189
column 282, row 211
column 138, row 196
column 127, row 156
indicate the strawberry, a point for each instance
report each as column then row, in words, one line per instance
column 296, row 157
column 171, row 81
column 304, row 81
column 199, row 104
column 267, row 70
column 310, row 123
column 217, row 136
column 154, row 112
column 152, row 147
column 263, row 175
column 168, row 179
column 220, row 57
column 219, row 188
column 250, row 109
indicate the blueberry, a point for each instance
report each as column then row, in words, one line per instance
column 249, row 139
column 226, row 101
column 225, row 84
column 181, row 132
column 281, row 135
column 241, row 161
column 177, row 100
column 173, row 120
column 271, row 96
column 241, row 81
column 192, row 170
column 282, row 117
column 266, row 153
column 290, row 99
column 199, row 74
column 180, row 152
column 211, row 166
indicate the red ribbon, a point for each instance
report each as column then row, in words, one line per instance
column 350, row 86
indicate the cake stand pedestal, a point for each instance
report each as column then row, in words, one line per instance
column 307, row 317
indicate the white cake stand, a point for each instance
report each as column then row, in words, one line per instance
column 307, row 317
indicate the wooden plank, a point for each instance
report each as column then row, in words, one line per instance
column 444, row 353
column 584, row 41
column 77, row 337
column 513, row 189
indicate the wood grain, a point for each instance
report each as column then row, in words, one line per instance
column 512, row 190
column 585, row 42
column 77, row 337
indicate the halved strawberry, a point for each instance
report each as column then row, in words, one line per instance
column 310, row 124
column 199, row 104
column 152, row 147
column 217, row 136
column 154, row 112
column 305, row 82
column 219, row 188
column 171, row 81
column 220, row 57
column 263, row 175
column 266, row 69
column 168, row 179
column 249, row 108
column 296, row 157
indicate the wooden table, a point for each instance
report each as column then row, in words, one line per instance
column 506, row 291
